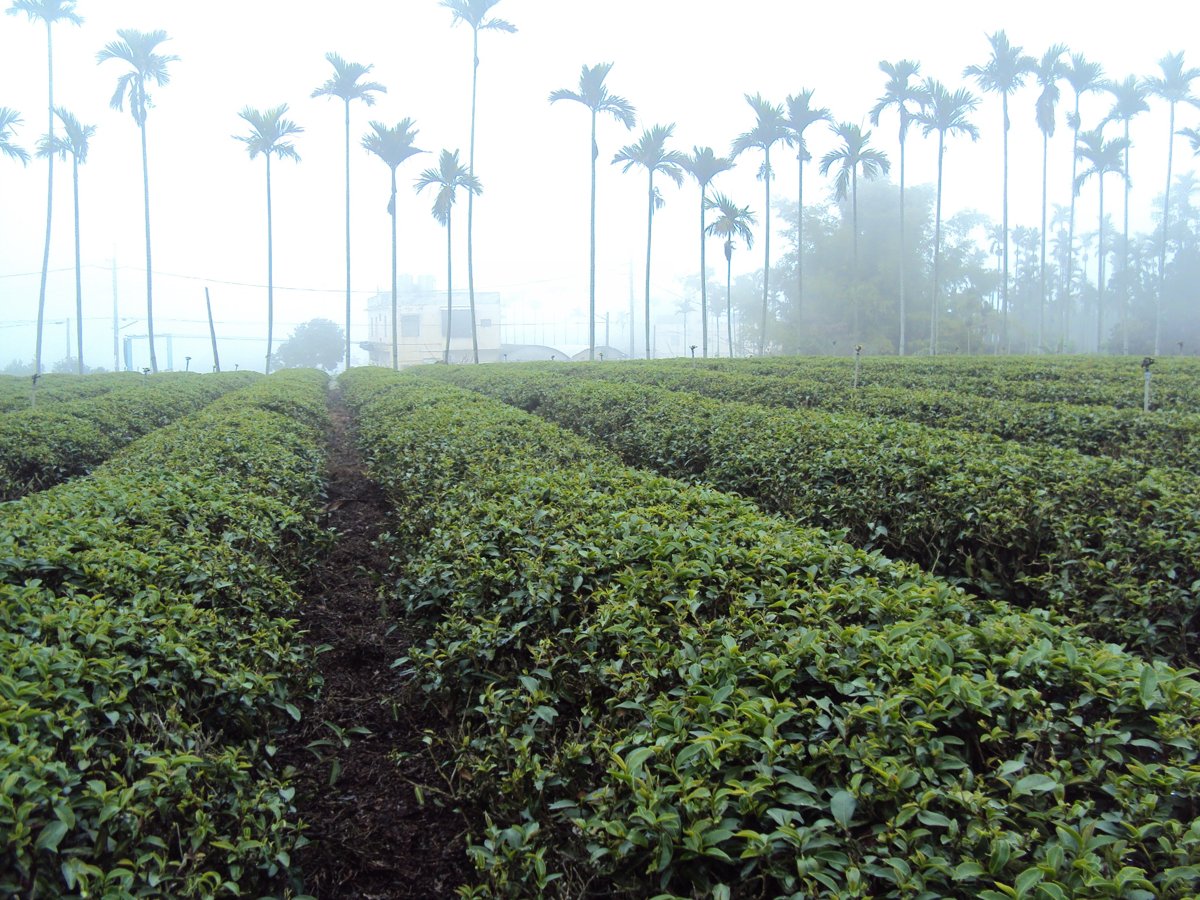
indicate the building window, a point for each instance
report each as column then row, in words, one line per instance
column 410, row 326
column 462, row 324
column 485, row 323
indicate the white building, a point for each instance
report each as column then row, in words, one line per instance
column 423, row 323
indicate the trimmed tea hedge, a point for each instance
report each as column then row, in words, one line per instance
column 657, row 688
column 147, row 656
column 16, row 390
column 1163, row 437
column 1112, row 543
column 50, row 443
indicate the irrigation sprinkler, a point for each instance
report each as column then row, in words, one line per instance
column 1146, row 364
column 693, row 351
column 857, row 363
column 187, row 364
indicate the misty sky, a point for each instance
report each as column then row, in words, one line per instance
column 687, row 62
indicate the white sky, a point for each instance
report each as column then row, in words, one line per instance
column 683, row 61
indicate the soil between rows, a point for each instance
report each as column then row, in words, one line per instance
column 371, row 837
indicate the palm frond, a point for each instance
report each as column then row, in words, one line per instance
column 47, row 11
column 9, row 119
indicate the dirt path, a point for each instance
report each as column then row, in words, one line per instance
column 371, row 837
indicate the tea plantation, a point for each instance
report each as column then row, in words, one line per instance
column 691, row 628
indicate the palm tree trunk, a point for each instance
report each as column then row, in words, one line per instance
column 449, row 290
column 649, row 233
column 1162, row 246
column 854, row 275
column 1004, row 281
column 471, row 199
column 937, row 250
column 593, row 150
column 1070, row 272
column 41, row 316
column 703, row 284
column 78, row 272
column 270, row 273
column 348, row 342
column 395, row 305
column 800, row 239
column 1042, row 263
column 149, row 266
column 1100, row 275
column 728, row 301
column 903, row 267
column 762, row 335
column 1125, row 286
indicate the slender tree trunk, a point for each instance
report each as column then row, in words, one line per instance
column 449, row 290
column 78, row 270
column 212, row 331
column 1125, row 286
column 1100, row 275
column 1042, row 259
column 903, row 267
column 1162, row 246
column 41, row 316
column 703, row 284
column 395, row 303
column 149, row 265
column 800, row 239
column 937, row 251
column 649, row 233
column 1070, row 272
column 728, row 295
column 594, row 151
column 348, row 341
column 471, row 199
column 854, row 282
column 270, row 272
column 762, row 337
column 1004, row 281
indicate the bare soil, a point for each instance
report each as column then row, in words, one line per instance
column 382, row 829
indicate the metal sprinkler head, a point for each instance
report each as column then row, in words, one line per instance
column 1147, row 362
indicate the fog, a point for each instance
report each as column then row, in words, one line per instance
column 687, row 62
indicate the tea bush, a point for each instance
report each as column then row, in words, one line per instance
column 50, row 443
column 148, row 656
column 657, row 688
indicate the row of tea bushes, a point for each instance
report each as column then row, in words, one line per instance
column 16, row 390
column 1164, row 438
column 50, row 443
column 655, row 687
column 148, row 655
column 1080, row 380
column 1112, row 543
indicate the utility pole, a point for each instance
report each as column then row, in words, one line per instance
column 116, row 326
column 212, row 330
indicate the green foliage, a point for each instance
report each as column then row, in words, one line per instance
column 148, row 657
column 315, row 344
column 50, row 443
column 56, row 388
column 1112, row 543
column 656, row 688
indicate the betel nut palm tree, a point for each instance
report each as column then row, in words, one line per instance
column 9, row 120
column 345, row 85
column 74, row 142
column 946, row 113
column 770, row 128
column 1105, row 158
column 448, row 177
column 394, row 144
column 1048, row 71
column 594, row 95
column 137, row 50
column 1129, row 100
column 1174, row 86
column 733, row 222
column 48, row 12
column 475, row 14
column 800, row 116
column 651, row 153
column 907, row 95
column 704, row 165
column 1003, row 74
column 854, row 157
column 269, row 136
column 1084, row 77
